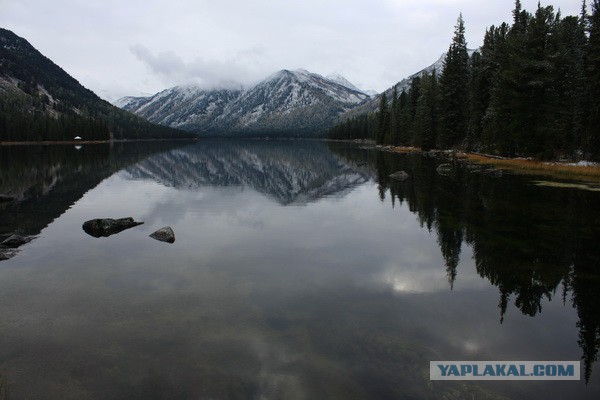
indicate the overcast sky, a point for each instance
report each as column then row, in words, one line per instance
column 133, row 47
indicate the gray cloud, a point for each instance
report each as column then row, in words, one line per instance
column 121, row 48
column 240, row 69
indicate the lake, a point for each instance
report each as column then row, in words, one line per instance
column 300, row 270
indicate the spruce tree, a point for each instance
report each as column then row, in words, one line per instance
column 392, row 132
column 454, row 90
column 383, row 119
column 426, row 122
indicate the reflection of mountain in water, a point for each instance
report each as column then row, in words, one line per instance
column 291, row 172
column 532, row 243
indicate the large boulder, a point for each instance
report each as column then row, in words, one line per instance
column 15, row 241
column 104, row 227
column 165, row 234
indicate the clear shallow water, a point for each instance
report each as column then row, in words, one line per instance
column 299, row 271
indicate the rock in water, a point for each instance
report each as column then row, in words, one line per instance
column 444, row 169
column 15, row 241
column 165, row 234
column 104, row 227
column 399, row 175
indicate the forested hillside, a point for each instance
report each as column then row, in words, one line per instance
column 532, row 89
column 40, row 101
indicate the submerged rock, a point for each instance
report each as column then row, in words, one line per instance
column 165, row 234
column 15, row 241
column 399, row 175
column 444, row 169
column 104, row 227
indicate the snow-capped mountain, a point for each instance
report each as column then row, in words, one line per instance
column 287, row 102
column 184, row 107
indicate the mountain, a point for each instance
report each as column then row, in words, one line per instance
column 403, row 85
column 298, row 103
column 337, row 78
column 40, row 101
column 182, row 107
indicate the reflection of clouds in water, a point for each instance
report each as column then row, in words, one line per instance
column 424, row 272
column 278, row 376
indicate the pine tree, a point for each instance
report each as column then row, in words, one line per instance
column 426, row 122
column 505, row 122
column 392, row 132
column 383, row 119
column 404, row 120
column 454, row 90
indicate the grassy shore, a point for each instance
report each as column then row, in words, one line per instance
column 555, row 170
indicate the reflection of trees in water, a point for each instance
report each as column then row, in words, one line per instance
column 46, row 180
column 527, row 241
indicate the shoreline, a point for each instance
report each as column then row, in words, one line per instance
column 554, row 169
column 551, row 169
column 78, row 142
column 48, row 142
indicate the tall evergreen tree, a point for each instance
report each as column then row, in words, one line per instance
column 454, row 90
column 426, row 122
column 383, row 119
column 505, row 123
column 392, row 132
column 404, row 120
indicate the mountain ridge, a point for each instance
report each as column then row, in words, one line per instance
column 288, row 102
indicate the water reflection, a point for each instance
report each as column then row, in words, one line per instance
column 42, row 182
column 532, row 244
column 291, row 173
column 348, row 293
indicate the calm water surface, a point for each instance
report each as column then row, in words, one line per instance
column 299, row 271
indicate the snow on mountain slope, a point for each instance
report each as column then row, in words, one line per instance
column 287, row 102
column 337, row 78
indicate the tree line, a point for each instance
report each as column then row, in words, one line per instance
column 532, row 89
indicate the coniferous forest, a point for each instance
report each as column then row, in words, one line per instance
column 39, row 101
column 531, row 89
